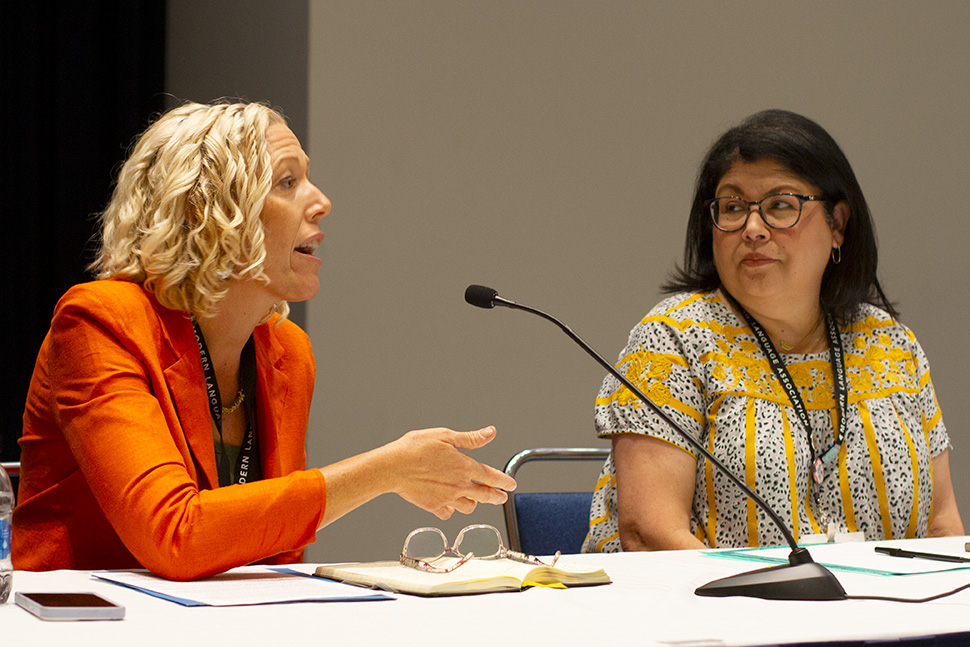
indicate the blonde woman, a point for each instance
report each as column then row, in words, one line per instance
column 165, row 422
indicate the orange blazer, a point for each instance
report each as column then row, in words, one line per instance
column 118, row 463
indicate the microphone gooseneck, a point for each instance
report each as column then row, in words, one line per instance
column 806, row 581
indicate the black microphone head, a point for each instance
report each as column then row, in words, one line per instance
column 480, row 296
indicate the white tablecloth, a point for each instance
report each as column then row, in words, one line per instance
column 651, row 602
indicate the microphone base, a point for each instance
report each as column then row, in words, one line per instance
column 809, row 581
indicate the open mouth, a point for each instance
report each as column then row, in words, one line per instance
column 308, row 247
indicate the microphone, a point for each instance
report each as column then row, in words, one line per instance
column 483, row 297
column 801, row 579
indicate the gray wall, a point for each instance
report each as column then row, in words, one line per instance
column 548, row 149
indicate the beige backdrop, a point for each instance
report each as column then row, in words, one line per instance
column 548, row 149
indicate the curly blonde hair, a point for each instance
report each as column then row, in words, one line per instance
column 184, row 216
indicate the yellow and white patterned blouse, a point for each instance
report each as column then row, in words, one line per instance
column 692, row 356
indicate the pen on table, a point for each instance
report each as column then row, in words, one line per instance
column 899, row 552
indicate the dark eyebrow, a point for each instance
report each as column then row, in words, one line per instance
column 737, row 192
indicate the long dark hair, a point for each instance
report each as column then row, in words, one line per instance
column 807, row 150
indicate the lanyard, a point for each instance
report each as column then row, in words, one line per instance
column 247, row 463
column 836, row 357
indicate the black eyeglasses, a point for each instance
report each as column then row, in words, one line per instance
column 778, row 211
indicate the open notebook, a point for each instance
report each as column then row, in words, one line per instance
column 475, row 576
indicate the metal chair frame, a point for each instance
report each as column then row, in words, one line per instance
column 11, row 468
column 13, row 471
column 542, row 454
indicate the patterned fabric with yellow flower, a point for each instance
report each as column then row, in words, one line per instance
column 693, row 357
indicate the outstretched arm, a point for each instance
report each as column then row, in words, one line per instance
column 424, row 467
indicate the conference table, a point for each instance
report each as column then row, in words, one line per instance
column 650, row 601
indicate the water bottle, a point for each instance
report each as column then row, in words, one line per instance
column 6, row 512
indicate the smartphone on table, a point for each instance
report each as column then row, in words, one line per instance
column 69, row 606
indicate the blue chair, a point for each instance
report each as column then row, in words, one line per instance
column 540, row 523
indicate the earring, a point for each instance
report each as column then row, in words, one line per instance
column 837, row 255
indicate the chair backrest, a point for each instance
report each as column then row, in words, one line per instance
column 540, row 523
column 13, row 471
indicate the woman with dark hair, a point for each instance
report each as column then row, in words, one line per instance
column 778, row 349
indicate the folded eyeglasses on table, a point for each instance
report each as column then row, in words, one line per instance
column 424, row 546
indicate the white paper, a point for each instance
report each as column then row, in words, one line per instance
column 242, row 586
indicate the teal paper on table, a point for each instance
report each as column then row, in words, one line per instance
column 848, row 557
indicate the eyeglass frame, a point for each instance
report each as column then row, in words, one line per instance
column 802, row 199
column 502, row 553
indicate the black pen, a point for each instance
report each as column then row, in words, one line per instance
column 899, row 552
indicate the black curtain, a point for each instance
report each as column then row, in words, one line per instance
column 80, row 80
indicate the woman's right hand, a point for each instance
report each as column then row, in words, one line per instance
column 424, row 467
column 435, row 476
